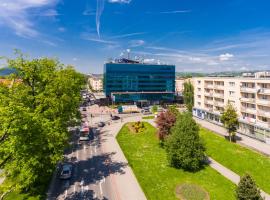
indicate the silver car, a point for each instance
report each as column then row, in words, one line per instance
column 66, row 171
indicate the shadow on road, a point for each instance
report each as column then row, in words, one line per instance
column 89, row 195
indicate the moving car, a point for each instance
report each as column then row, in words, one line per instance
column 115, row 117
column 101, row 124
column 66, row 171
column 84, row 109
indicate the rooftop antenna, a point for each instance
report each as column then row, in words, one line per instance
column 128, row 52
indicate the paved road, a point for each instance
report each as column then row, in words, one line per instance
column 100, row 168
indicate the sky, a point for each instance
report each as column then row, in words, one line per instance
column 194, row 35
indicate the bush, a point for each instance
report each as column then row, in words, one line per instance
column 138, row 126
column 184, row 146
column 247, row 189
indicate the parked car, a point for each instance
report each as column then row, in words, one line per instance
column 115, row 117
column 101, row 124
column 84, row 109
column 66, row 171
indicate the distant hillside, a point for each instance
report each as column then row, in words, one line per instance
column 6, row 71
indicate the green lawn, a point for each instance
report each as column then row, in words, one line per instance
column 158, row 180
column 237, row 158
column 149, row 117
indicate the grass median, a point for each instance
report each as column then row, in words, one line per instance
column 157, row 179
column 237, row 158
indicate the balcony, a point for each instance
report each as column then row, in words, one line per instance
column 209, row 86
column 248, row 90
column 249, row 110
column 208, row 94
column 219, row 95
column 219, row 87
column 248, row 100
column 219, row 104
column 263, row 102
column 264, row 91
column 211, row 102
column 263, row 124
column 248, row 119
column 264, row 113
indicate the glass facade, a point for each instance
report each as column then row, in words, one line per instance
column 130, row 82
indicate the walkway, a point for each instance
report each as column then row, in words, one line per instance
column 245, row 140
column 235, row 178
column 125, row 184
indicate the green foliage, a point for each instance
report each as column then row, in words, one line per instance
column 230, row 120
column 149, row 117
column 156, row 177
column 238, row 158
column 188, row 94
column 154, row 109
column 35, row 112
column 247, row 189
column 173, row 109
column 184, row 146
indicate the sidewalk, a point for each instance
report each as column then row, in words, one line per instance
column 125, row 184
column 235, row 178
column 245, row 140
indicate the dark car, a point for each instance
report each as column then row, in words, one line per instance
column 101, row 124
column 84, row 108
column 66, row 171
column 115, row 117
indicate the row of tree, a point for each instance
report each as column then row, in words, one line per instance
column 35, row 111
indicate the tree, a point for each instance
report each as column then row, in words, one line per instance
column 184, row 146
column 35, row 111
column 173, row 109
column 154, row 109
column 247, row 189
column 230, row 120
column 164, row 123
column 188, row 94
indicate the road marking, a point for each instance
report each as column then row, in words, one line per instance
column 65, row 194
column 95, row 149
column 74, row 188
column 100, row 188
column 77, row 152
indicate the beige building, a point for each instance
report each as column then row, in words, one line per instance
column 179, row 84
column 249, row 95
column 96, row 82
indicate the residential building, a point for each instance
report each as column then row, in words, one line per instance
column 96, row 82
column 249, row 95
column 132, row 81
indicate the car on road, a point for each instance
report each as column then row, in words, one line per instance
column 66, row 171
column 84, row 109
column 101, row 124
column 115, row 117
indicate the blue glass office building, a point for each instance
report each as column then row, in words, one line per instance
column 134, row 81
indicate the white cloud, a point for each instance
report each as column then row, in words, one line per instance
column 16, row 15
column 119, row 1
column 225, row 57
column 128, row 35
column 92, row 38
column 61, row 29
column 136, row 43
column 175, row 11
column 74, row 59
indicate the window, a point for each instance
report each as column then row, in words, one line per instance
column 199, row 96
column 232, row 84
column 199, row 89
column 199, row 103
column 264, row 97
column 231, row 93
column 199, row 82
column 264, row 119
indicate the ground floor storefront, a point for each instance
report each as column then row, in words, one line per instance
column 246, row 128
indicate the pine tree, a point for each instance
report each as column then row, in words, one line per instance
column 184, row 146
column 247, row 189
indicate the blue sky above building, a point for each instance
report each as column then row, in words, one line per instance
column 195, row 35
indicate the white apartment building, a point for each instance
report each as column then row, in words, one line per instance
column 249, row 95
column 96, row 83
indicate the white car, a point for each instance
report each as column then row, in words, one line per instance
column 66, row 171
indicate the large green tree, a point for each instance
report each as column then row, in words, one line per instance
column 35, row 111
column 188, row 94
column 184, row 146
column 247, row 189
column 230, row 120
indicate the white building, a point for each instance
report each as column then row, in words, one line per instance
column 96, row 82
column 249, row 95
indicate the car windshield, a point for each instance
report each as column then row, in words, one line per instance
column 66, row 172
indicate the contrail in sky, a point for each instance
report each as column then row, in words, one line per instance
column 100, row 8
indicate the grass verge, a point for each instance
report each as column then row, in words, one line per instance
column 157, row 179
column 237, row 158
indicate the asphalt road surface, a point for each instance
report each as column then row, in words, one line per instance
column 91, row 172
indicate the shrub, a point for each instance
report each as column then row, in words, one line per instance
column 164, row 123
